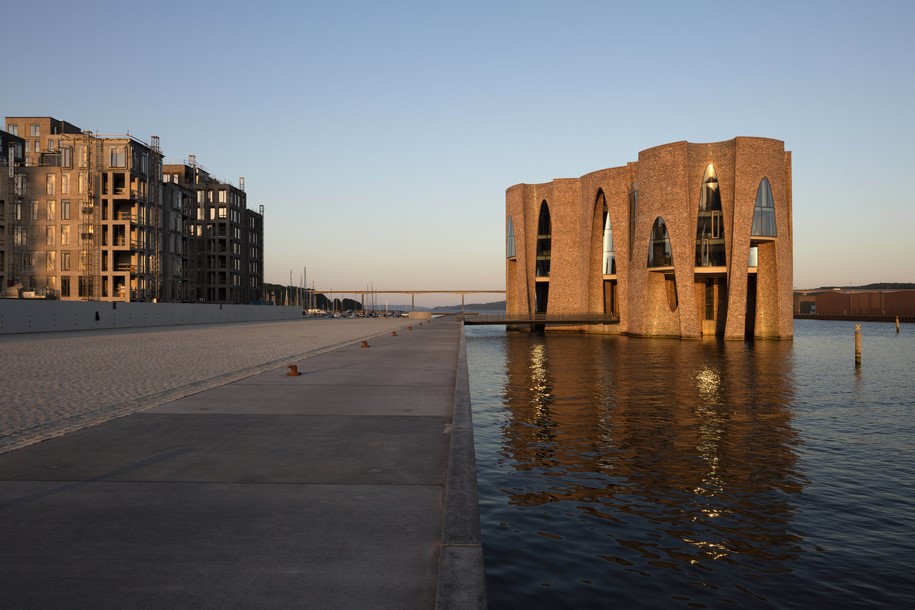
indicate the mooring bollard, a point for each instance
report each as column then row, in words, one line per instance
column 897, row 325
column 857, row 345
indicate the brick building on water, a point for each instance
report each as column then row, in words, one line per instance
column 690, row 240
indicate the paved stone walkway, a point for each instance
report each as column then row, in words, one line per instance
column 54, row 383
column 351, row 485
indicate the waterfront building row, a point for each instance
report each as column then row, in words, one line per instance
column 836, row 302
column 690, row 240
column 85, row 216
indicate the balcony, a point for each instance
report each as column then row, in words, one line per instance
column 123, row 242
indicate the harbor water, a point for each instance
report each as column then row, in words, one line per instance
column 660, row 473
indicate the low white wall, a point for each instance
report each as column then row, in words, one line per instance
column 39, row 315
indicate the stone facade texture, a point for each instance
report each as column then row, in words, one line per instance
column 680, row 300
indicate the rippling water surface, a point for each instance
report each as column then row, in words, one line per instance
column 627, row 472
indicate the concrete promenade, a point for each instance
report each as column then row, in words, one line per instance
column 351, row 485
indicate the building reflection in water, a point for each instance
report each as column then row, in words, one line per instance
column 683, row 450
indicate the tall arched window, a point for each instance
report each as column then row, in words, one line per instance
column 764, row 212
column 633, row 209
column 544, row 241
column 608, row 264
column 660, row 253
column 710, row 249
column 510, row 239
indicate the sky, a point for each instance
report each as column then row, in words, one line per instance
column 380, row 137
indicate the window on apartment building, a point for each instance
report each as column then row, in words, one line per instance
column 50, row 145
column 201, row 196
column 66, row 156
column 85, row 234
column 52, row 208
column 17, row 211
column 222, row 196
column 222, row 211
column 64, row 235
column 20, row 236
column 50, row 235
column 64, row 286
column 51, row 260
column 28, row 261
column 51, row 184
column 65, row 184
column 64, row 260
column 37, row 146
column 33, row 210
column 65, row 209
column 28, row 146
column 13, row 129
column 144, row 163
column 81, row 185
column 34, row 130
column 117, row 156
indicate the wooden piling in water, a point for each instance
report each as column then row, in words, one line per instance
column 897, row 325
column 857, row 345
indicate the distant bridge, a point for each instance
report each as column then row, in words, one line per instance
column 412, row 293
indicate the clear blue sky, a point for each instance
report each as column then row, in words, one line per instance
column 380, row 136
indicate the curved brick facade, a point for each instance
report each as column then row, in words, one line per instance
column 682, row 300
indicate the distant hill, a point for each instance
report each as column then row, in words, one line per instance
column 876, row 286
column 494, row 306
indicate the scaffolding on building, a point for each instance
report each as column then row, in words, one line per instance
column 154, row 185
column 13, row 220
column 90, row 221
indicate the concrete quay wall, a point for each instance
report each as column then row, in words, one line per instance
column 38, row 315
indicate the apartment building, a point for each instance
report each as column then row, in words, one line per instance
column 12, row 156
column 227, row 237
column 178, row 244
column 87, row 216
column 91, row 210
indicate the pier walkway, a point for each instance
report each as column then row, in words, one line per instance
column 351, row 485
column 570, row 319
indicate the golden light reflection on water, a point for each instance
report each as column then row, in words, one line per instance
column 692, row 438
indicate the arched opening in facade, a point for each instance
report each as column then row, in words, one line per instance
column 761, row 264
column 608, row 257
column 764, row 211
column 711, row 257
column 510, row 239
column 660, row 254
column 633, row 209
column 542, row 265
column 710, row 247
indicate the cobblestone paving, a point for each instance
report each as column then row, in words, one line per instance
column 54, row 383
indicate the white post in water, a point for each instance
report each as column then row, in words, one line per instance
column 857, row 345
